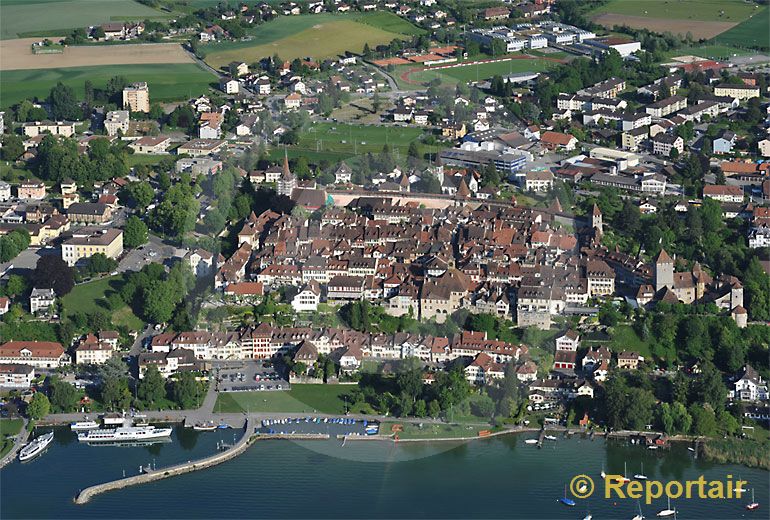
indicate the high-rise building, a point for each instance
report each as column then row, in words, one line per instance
column 136, row 97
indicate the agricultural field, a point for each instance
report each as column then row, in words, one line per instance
column 89, row 297
column 349, row 140
column 750, row 33
column 17, row 54
column 701, row 18
column 167, row 82
column 41, row 17
column 712, row 52
column 317, row 36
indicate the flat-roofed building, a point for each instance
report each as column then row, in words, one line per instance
column 136, row 97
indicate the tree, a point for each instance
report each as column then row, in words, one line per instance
column 63, row 103
column 16, row 285
column 185, row 390
column 99, row 263
column 13, row 147
column 54, row 273
column 703, row 420
column 64, row 397
column 152, row 387
column 138, row 195
column 376, row 102
column 434, row 408
column 135, row 232
column 483, row 406
column 409, row 382
column 39, row 407
column 159, row 301
column 115, row 393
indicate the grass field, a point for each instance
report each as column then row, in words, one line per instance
column 88, row 297
column 482, row 71
column 352, row 140
column 300, row 399
column 167, row 82
column 704, row 10
column 28, row 16
column 716, row 52
column 750, row 33
column 432, row 431
column 317, row 36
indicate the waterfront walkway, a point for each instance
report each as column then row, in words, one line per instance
column 21, row 438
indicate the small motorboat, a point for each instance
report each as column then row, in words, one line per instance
column 530, row 441
column 567, row 501
column 83, row 425
column 207, row 426
column 550, row 437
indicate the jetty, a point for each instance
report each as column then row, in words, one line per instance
column 150, row 476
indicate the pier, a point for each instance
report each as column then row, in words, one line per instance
column 150, row 476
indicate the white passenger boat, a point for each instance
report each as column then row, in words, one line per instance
column 124, row 434
column 36, row 447
column 83, row 425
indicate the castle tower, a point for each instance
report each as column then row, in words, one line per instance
column 663, row 271
column 596, row 220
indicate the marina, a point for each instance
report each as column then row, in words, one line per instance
column 501, row 468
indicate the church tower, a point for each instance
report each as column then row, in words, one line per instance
column 663, row 272
column 287, row 182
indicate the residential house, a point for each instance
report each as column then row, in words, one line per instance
column 15, row 376
column 116, row 121
column 41, row 300
column 39, row 354
column 151, row 145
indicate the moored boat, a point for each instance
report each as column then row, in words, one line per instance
column 754, row 504
column 566, row 501
column 35, row 447
column 124, row 434
column 83, row 425
column 207, row 426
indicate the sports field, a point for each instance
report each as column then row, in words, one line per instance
column 356, row 139
column 702, row 18
column 316, row 36
column 28, row 17
column 482, row 71
column 167, row 82
column 754, row 32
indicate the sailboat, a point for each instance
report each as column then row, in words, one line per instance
column 754, row 505
column 624, row 478
column 668, row 511
column 640, row 516
column 567, row 501
column 603, row 474
column 641, row 475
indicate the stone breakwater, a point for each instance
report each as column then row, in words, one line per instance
column 245, row 441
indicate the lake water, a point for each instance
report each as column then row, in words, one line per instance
column 500, row 477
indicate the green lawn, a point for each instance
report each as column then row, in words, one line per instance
column 317, row 36
column 300, row 399
column 624, row 338
column 703, row 10
column 348, row 140
column 167, row 82
column 750, row 33
column 30, row 16
column 8, row 428
column 140, row 158
column 467, row 73
column 433, row 431
column 715, row 52
column 89, row 297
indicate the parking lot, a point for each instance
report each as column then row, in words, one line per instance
column 249, row 376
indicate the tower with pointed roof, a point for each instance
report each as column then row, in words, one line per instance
column 663, row 271
column 287, row 182
column 596, row 220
